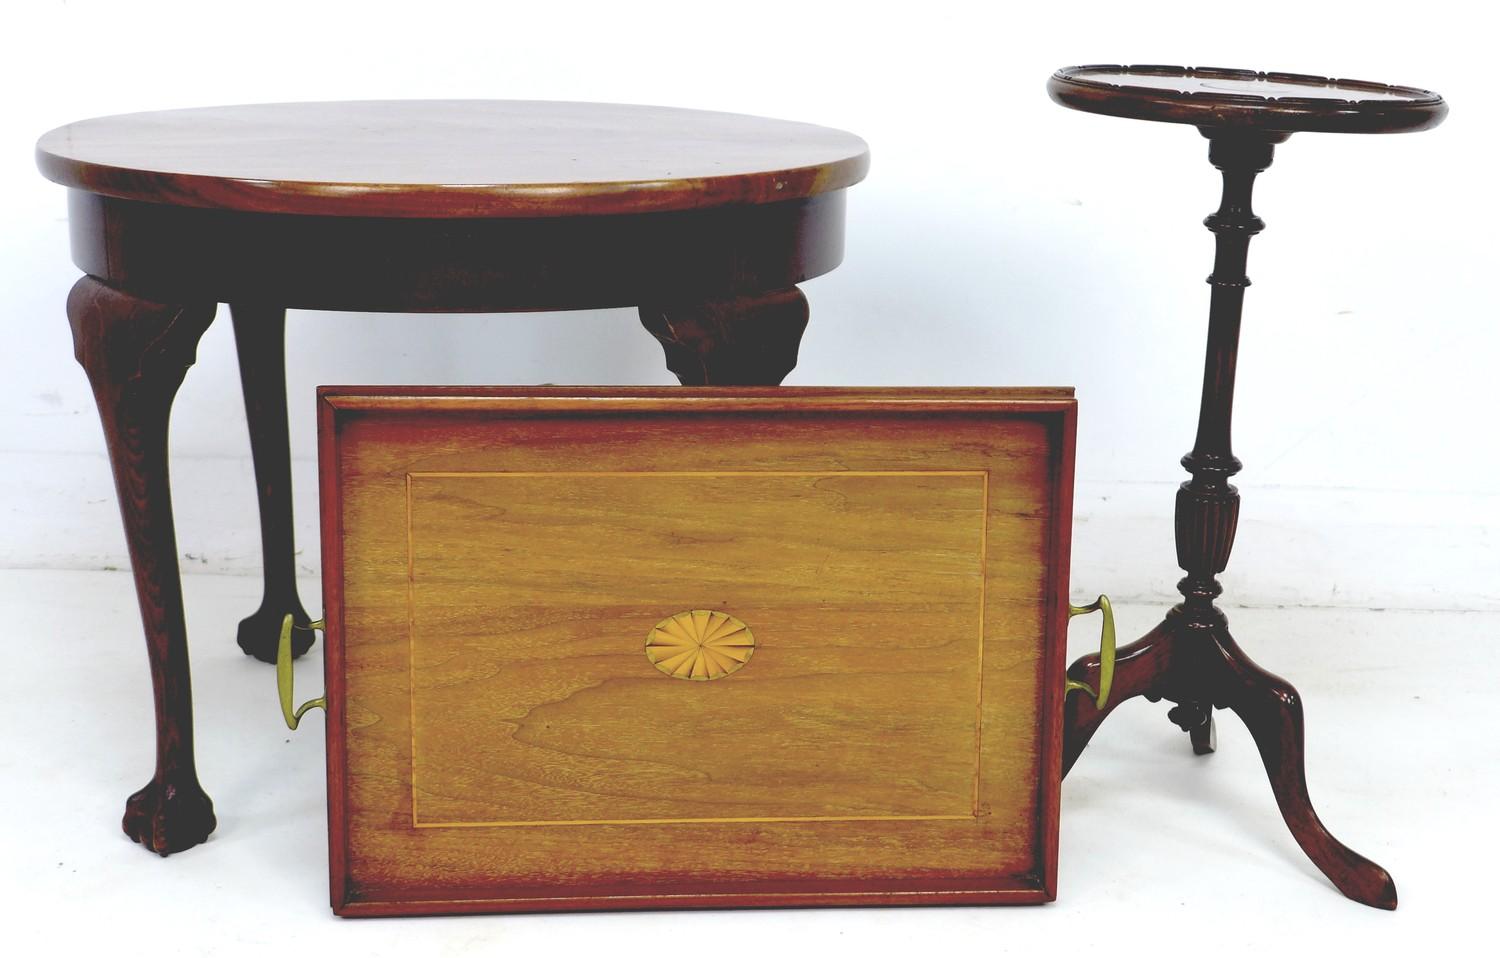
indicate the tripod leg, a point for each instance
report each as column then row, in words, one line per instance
column 1205, row 740
column 1139, row 668
column 1197, row 719
column 1272, row 710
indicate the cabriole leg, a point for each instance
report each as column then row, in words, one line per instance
column 260, row 341
column 1272, row 710
column 136, row 353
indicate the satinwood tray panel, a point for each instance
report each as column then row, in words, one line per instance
column 630, row 648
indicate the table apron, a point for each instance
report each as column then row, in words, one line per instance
column 183, row 254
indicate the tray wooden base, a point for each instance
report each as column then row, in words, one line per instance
column 597, row 649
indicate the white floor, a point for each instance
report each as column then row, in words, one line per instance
column 1162, row 853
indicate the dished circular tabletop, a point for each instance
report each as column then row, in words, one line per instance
column 1217, row 98
column 450, row 158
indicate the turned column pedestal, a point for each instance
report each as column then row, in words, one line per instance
column 1190, row 659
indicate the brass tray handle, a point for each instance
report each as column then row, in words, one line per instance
column 1106, row 650
column 284, row 675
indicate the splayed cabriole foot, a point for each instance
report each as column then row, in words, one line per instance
column 1272, row 710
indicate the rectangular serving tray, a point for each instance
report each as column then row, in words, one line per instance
column 606, row 648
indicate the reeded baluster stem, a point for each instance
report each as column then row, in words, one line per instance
column 1208, row 505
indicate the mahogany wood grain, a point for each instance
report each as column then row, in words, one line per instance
column 499, row 740
column 136, row 353
column 480, row 159
column 1191, row 659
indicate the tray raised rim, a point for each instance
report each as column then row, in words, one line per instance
column 337, row 404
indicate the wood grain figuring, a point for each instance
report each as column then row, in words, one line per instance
column 532, row 700
column 450, row 158
column 499, row 741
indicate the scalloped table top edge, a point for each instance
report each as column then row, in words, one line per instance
column 1215, row 98
column 451, row 158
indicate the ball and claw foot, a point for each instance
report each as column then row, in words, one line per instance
column 170, row 816
column 259, row 632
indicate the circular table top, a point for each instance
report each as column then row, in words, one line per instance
column 450, row 158
column 1219, row 98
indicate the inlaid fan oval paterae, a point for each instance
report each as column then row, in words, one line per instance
column 700, row 645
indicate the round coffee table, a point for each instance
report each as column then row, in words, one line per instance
column 1190, row 657
column 706, row 222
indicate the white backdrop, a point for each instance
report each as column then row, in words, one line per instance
column 999, row 239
